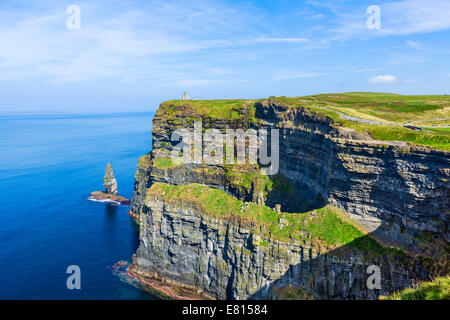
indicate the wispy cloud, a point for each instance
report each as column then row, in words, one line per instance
column 291, row 74
column 383, row 79
column 294, row 40
column 102, row 49
column 202, row 82
column 367, row 70
column 414, row 44
column 309, row 14
column 406, row 58
column 411, row 81
column 405, row 17
column 115, row 38
column 247, row 47
column 415, row 16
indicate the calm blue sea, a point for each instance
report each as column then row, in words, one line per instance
column 49, row 164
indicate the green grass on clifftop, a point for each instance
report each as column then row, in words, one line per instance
column 438, row 289
column 164, row 163
column 417, row 110
column 386, row 107
column 437, row 139
column 324, row 224
column 220, row 109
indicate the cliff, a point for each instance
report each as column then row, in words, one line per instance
column 194, row 236
column 395, row 193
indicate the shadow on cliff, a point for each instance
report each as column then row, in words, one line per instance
column 343, row 273
column 321, row 172
column 305, row 166
column 285, row 193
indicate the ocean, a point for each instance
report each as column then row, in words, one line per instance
column 49, row 164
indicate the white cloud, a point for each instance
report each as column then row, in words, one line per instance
column 411, row 81
column 383, row 79
column 317, row 16
column 116, row 38
column 202, row 82
column 405, row 58
column 397, row 18
column 448, row 75
column 416, row 16
column 44, row 46
column 307, row 13
column 295, row 40
column 292, row 74
column 414, row 44
column 162, row 40
column 219, row 71
column 367, row 70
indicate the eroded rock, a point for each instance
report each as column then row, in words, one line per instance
column 109, row 181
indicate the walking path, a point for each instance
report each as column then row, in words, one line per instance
column 406, row 124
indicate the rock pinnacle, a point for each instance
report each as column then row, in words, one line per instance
column 109, row 181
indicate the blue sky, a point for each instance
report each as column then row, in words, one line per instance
column 132, row 55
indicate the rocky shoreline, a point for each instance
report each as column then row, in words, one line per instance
column 109, row 198
column 134, row 216
column 165, row 289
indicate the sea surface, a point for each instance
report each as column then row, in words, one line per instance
column 49, row 164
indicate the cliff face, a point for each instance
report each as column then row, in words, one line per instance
column 396, row 192
column 234, row 259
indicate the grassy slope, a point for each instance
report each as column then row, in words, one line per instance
column 324, row 224
column 382, row 107
column 438, row 289
column 164, row 163
column 221, row 109
column 387, row 107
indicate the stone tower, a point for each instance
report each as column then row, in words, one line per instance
column 109, row 181
column 185, row 96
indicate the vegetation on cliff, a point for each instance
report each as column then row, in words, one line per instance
column 220, row 109
column 145, row 161
column 385, row 115
column 325, row 225
column 382, row 107
column 164, row 163
column 199, row 220
column 382, row 115
column 438, row 289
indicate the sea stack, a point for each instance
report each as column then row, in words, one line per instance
column 109, row 181
column 110, row 193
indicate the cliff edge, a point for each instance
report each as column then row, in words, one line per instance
column 341, row 201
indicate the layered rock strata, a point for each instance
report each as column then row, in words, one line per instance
column 398, row 193
column 185, row 246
